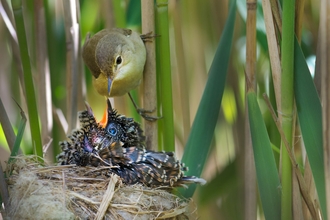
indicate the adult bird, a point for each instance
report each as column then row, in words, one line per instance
column 116, row 59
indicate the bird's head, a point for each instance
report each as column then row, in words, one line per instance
column 116, row 59
column 113, row 127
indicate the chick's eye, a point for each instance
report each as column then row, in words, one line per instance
column 112, row 130
column 119, row 60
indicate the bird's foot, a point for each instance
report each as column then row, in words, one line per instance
column 144, row 113
column 148, row 37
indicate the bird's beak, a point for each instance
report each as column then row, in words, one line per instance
column 107, row 112
column 109, row 85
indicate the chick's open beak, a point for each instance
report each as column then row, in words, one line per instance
column 108, row 111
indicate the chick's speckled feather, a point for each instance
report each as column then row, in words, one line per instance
column 120, row 144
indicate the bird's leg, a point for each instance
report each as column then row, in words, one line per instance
column 148, row 37
column 142, row 111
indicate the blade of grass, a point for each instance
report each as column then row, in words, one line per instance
column 164, row 71
column 19, row 136
column 28, row 80
column 310, row 119
column 199, row 141
column 267, row 175
column 6, row 126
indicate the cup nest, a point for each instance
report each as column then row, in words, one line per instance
column 39, row 191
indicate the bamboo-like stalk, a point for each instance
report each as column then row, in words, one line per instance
column 287, row 61
column 72, row 44
column 250, row 190
column 44, row 87
column 149, row 79
column 164, row 72
column 296, row 197
column 28, row 80
column 274, row 48
column 324, row 61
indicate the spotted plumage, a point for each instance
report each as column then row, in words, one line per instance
column 120, row 144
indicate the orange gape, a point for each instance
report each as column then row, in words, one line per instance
column 104, row 119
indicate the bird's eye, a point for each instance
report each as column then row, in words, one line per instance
column 119, row 60
column 112, row 130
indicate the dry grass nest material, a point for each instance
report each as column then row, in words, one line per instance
column 71, row 192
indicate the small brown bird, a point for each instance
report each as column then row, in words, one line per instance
column 116, row 59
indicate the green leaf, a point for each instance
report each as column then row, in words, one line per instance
column 28, row 79
column 310, row 119
column 200, row 137
column 19, row 136
column 267, row 174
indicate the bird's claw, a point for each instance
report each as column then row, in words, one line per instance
column 143, row 113
column 148, row 37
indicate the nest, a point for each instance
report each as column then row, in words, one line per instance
column 71, row 192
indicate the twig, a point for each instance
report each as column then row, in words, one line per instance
column 107, row 197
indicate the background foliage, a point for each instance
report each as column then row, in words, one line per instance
column 194, row 29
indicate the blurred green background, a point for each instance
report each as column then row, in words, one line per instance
column 195, row 28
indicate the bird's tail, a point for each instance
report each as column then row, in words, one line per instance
column 186, row 180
